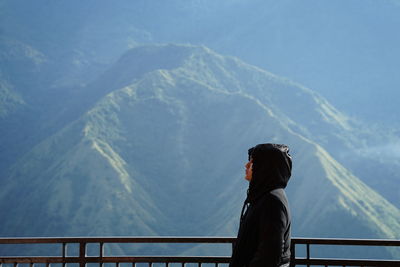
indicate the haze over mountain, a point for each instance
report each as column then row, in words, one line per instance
column 97, row 144
column 346, row 50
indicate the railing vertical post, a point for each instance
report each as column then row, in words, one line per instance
column 64, row 253
column 292, row 253
column 82, row 254
column 101, row 253
column 308, row 253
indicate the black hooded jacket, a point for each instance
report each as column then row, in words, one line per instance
column 264, row 232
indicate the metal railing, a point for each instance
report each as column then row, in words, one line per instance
column 82, row 258
column 308, row 260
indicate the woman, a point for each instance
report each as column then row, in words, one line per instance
column 265, row 222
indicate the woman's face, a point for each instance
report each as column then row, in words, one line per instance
column 249, row 170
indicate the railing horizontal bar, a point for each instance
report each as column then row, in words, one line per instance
column 167, row 239
column 347, row 262
column 158, row 259
column 163, row 259
column 170, row 239
column 36, row 259
column 355, row 242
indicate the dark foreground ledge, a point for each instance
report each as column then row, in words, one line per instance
column 82, row 258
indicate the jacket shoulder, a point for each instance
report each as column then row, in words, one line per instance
column 276, row 200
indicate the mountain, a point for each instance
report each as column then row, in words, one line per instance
column 156, row 146
column 344, row 50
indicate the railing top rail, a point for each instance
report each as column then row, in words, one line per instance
column 116, row 239
column 113, row 259
column 347, row 262
column 346, row 241
column 190, row 239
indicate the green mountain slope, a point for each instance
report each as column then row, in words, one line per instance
column 160, row 150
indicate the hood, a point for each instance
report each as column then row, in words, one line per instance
column 272, row 167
